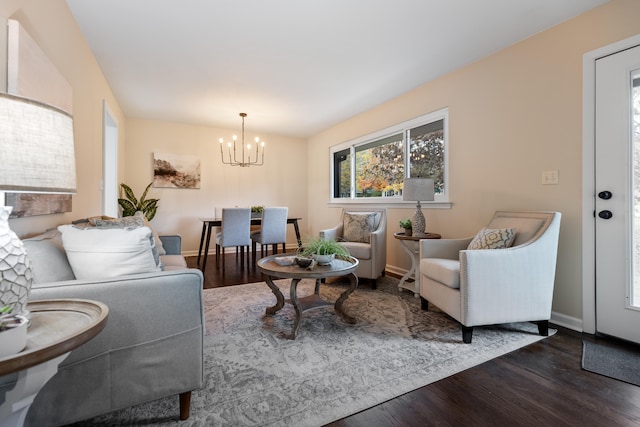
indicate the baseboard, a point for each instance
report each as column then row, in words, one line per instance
column 565, row 321
column 395, row 271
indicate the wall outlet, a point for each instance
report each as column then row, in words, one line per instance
column 550, row 178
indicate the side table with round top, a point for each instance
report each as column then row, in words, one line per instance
column 56, row 327
column 344, row 266
column 411, row 245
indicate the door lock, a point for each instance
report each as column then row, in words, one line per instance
column 605, row 214
column 605, row 195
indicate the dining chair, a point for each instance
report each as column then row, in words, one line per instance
column 234, row 232
column 273, row 231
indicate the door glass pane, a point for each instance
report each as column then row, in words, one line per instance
column 635, row 135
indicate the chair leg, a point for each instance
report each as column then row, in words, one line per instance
column 543, row 328
column 424, row 304
column 274, row 248
column 467, row 333
column 185, row 405
column 253, row 250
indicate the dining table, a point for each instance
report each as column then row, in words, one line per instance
column 209, row 223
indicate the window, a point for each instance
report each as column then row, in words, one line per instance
column 374, row 166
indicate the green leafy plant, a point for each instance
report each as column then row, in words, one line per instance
column 132, row 204
column 405, row 223
column 321, row 246
column 257, row 209
column 6, row 317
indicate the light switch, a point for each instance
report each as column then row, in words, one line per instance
column 550, row 178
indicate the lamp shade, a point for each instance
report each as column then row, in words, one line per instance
column 418, row 189
column 36, row 147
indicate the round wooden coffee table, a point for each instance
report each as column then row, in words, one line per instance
column 345, row 266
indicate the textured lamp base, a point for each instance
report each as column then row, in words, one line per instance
column 418, row 223
column 15, row 267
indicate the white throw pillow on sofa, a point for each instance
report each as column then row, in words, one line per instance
column 97, row 253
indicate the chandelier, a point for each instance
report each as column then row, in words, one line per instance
column 244, row 161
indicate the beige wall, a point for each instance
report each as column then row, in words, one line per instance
column 511, row 116
column 53, row 28
column 281, row 181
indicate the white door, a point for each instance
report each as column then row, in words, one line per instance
column 617, row 215
column 109, row 164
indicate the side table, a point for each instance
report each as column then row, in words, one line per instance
column 338, row 267
column 411, row 245
column 56, row 328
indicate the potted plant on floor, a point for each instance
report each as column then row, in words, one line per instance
column 132, row 204
column 406, row 225
column 323, row 251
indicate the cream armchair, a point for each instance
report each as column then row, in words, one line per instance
column 493, row 286
column 364, row 234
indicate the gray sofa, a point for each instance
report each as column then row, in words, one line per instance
column 151, row 347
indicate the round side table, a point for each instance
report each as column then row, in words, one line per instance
column 411, row 245
column 56, row 328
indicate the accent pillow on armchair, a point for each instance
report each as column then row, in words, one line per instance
column 358, row 226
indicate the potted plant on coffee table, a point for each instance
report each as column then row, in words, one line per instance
column 323, row 251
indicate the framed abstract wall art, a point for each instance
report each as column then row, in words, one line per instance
column 176, row 171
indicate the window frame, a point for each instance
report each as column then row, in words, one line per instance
column 441, row 199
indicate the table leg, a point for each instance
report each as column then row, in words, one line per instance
column 338, row 305
column 18, row 400
column 412, row 272
column 297, row 230
column 206, row 248
column 279, row 297
column 296, row 305
column 204, row 231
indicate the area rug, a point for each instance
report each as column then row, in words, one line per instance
column 255, row 377
column 621, row 362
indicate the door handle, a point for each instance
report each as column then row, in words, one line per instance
column 605, row 195
column 605, row 214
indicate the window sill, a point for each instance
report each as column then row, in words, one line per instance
column 381, row 203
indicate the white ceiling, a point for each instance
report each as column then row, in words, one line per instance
column 296, row 67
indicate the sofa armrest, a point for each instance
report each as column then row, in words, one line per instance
column 172, row 243
column 443, row 248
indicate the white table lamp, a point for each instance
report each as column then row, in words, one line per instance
column 418, row 190
column 37, row 156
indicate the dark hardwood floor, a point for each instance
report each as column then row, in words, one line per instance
column 542, row 384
